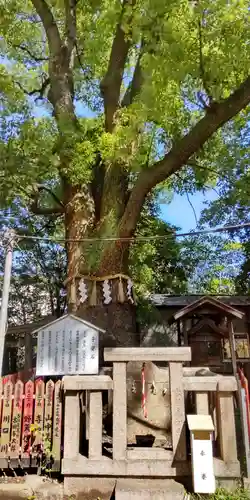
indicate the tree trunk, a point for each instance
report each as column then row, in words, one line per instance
column 94, row 262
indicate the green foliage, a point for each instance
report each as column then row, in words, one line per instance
column 170, row 97
column 213, row 263
column 222, row 494
column 232, row 204
column 156, row 264
column 39, row 267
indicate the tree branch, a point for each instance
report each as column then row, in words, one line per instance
column 220, row 174
column 41, row 187
column 216, row 116
column 37, row 210
column 111, row 84
column 188, row 199
column 136, row 84
column 192, row 207
column 70, row 24
column 35, row 207
column 50, row 26
column 202, row 68
column 28, row 51
column 39, row 91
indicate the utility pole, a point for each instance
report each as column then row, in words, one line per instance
column 8, row 243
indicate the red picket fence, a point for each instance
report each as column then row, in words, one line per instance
column 244, row 385
column 30, row 422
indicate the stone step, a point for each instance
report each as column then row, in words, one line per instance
column 149, row 489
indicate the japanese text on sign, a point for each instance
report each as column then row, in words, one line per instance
column 67, row 346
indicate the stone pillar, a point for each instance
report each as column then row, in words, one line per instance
column 226, row 427
column 71, row 425
column 177, row 411
column 119, row 412
column 95, row 425
column 201, row 403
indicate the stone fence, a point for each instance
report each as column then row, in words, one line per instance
column 211, row 393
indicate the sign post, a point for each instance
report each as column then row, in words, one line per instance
column 9, row 238
column 201, row 428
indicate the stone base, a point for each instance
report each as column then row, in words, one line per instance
column 98, row 488
column 34, row 487
column 149, row 489
column 86, row 488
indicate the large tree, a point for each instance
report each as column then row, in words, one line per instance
column 132, row 92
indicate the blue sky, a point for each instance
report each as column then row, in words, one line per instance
column 180, row 213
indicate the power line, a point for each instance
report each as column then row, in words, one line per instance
column 229, row 228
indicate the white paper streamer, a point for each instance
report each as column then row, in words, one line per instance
column 83, row 291
column 107, row 292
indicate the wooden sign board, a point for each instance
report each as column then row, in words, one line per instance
column 201, row 428
column 57, row 422
column 68, row 346
column 39, row 410
column 6, row 419
column 17, row 420
column 48, row 414
column 27, row 418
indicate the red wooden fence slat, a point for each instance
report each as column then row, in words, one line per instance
column 6, row 419
column 57, row 422
column 20, row 410
column 39, row 410
column 1, row 404
column 48, row 413
column 27, row 418
column 16, row 430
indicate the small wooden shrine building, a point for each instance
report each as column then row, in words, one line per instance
column 216, row 330
column 207, row 327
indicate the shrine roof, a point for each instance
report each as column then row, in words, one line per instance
column 177, row 301
column 211, row 302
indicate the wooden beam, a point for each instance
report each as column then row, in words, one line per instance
column 232, row 346
column 185, row 335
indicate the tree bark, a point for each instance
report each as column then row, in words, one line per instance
column 117, row 319
column 78, row 220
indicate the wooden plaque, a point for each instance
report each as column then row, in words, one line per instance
column 1, row 401
column 6, row 419
column 57, row 422
column 17, row 420
column 39, row 410
column 48, row 414
column 27, row 418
